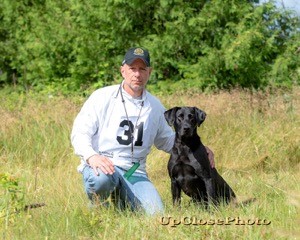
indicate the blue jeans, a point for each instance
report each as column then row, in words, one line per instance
column 137, row 193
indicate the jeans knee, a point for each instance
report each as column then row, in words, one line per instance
column 97, row 185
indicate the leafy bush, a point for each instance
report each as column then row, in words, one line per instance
column 68, row 46
column 11, row 197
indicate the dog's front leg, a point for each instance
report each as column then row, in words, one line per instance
column 176, row 193
column 211, row 191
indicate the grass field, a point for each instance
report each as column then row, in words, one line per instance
column 255, row 138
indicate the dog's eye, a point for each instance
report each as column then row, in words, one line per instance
column 191, row 116
column 180, row 117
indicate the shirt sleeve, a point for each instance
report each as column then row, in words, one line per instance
column 85, row 128
column 165, row 137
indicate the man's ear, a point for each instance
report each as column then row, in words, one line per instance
column 200, row 116
column 122, row 71
column 170, row 115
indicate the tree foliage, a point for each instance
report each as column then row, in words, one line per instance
column 68, row 45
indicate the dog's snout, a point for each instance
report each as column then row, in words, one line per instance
column 186, row 129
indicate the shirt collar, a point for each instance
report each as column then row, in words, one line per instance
column 129, row 97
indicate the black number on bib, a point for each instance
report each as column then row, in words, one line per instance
column 127, row 140
column 140, row 131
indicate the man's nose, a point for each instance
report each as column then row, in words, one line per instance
column 137, row 73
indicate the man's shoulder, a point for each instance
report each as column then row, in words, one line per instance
column 154, row 100
column 105, row 91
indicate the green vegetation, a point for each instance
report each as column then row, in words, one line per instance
column 235, row 59
column 68, row 46
column 255, row 138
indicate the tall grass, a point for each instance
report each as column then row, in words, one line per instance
column 255, row 138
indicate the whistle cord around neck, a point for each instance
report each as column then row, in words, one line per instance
column 128, row 122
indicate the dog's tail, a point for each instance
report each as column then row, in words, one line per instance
column 244, row 202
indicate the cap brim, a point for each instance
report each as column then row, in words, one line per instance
column 131, row 60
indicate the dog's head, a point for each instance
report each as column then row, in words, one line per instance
column 185, row 119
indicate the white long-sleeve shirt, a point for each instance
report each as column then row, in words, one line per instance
column 102, row 127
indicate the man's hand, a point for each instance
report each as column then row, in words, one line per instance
column 211, row 157
column 101, row 162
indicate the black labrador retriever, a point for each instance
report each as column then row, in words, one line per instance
column 189, row 167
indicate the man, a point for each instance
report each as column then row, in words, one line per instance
column 114, row 132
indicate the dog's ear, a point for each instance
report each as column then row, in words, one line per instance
column 200, row 116
column 170, row 115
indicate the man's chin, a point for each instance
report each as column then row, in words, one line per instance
column 137, row 87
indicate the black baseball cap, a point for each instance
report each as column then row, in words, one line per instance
column 135, row 53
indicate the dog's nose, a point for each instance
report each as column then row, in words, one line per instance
column 186, row 129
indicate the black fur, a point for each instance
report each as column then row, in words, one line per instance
column 189, row 167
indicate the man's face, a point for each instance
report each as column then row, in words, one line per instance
column 136, row 77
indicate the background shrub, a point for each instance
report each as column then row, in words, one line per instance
column 67, row 46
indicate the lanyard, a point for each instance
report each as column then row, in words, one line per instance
column 135, row 164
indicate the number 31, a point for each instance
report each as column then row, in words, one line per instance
column 127, row 141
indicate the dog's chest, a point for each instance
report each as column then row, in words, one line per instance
column 186, row 169
column 183, row 154
column 181, row 162
column 183, row 169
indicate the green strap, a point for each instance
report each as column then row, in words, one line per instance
column 130, row 171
